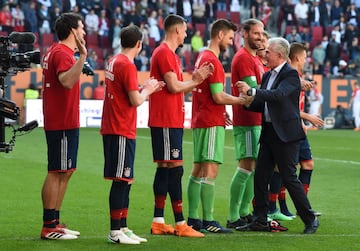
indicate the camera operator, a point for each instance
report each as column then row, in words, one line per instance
column 61, row 98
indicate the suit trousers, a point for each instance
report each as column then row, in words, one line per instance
column 273, row 152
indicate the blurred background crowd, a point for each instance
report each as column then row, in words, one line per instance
column 330, row 28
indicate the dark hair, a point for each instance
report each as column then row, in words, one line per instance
column 172, row 20
column 221, row 25
column 248, row 23
column 65, row 22
column 296, row 48
column 130, row 35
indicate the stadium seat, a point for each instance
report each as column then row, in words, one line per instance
column 221, row 14
column 235, row 17
column 201, row 27
column 317, row 33
column 92, row 40
column 47, row 39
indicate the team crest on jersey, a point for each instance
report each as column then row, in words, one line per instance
column 127, row 171
column 175, row 153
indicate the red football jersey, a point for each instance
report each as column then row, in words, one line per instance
column 166, row 109
column 119, row 116
column 244, row 65
column 205, row 112
column 60, row 105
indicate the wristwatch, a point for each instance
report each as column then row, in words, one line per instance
column 251, row 92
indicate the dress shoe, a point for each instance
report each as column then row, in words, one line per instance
column 312, row 227
column 255, row 226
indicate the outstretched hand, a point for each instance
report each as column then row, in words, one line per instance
column 203, row 72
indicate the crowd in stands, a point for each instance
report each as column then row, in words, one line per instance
column 330, row 28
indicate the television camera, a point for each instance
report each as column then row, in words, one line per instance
column 12, row 60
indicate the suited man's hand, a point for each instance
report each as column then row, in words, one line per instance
column 243, row 86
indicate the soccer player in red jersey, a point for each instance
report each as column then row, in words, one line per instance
column 246, row 66
column 118, row 128
column 209, row 119
column 61, row 98
column 166, row 121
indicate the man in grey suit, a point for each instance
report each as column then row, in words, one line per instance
column 278, row 101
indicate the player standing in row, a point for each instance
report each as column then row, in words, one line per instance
column 118, row 128
column 166, row 121
column 246, row 66
column 209, row 119
column 61, row 99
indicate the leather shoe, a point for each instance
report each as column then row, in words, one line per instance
column 312, row 227
column 255, row 226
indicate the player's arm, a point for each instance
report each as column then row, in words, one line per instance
column 150, row 86
column 222, row 98
column 70, row 77
column 198, row 76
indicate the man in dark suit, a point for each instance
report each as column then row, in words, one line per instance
column 278, row 100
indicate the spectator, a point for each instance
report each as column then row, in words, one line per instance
column 6, row 19
column 333, row 52
column 154, row 31
column 349, row 35
column 91, row 23
column 314, row 14
column 255, row 9
column 302, row 11
column 235, row 6
column 341, row 69
column 118, row 15
column 144, row 61
column 18, row 18
column 335, row 33
column 54, row 14
column 221, row 5
column 44, row 19
column 197, row 42
column 293, row 36
column 288, row 13
column 116, row 44
column 210, row 12
column 352, row 13
column 172, row 7
column 305, row 35
column 336, row 12
column 198, row 11
column 184, row 9
column 265, row 13
column 163, row 6
column 325, row 13
column 104, row 25
column 92, row 59
column 132, row 18
column 326, row 71
column 141, row 9
column 128, row 6
column 31, row 21
column 318, row 55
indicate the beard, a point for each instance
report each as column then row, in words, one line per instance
column 255, row 45
column 222, row 48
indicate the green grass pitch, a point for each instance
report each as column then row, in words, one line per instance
column 335, row 191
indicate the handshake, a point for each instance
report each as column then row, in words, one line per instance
column 245, row 93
